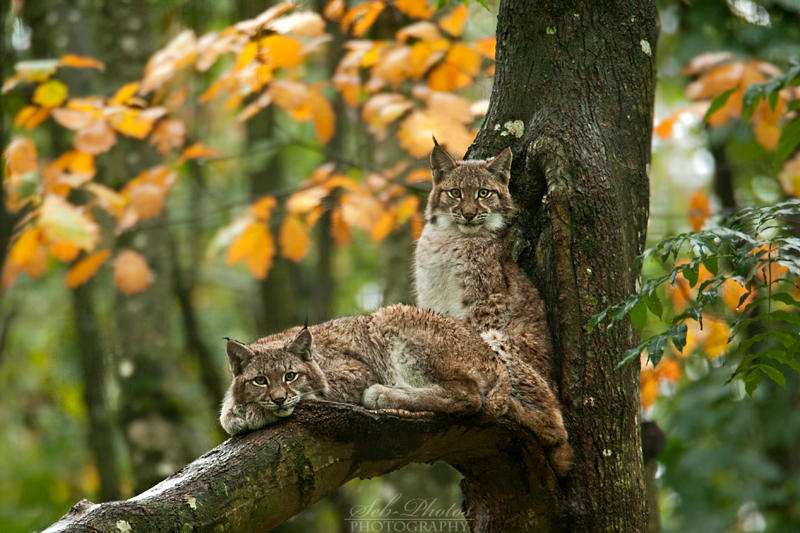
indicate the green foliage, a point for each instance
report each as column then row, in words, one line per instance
column 753, row 248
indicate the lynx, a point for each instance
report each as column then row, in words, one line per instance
column 398, row 357
column 464, row 269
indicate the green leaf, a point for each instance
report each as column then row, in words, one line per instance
column 654, row 304
column 655, row 348
column 596, row 319
column 790, row 138
column 711, row 262
column 718, row 103
column 752, row 95
column 678, row 335
column 774, row 374
column 638, row 316
column 691, row 273
column 751, row 381
column 630, row 355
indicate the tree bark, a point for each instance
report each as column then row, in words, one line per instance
column 256, row 481
column 573, row 97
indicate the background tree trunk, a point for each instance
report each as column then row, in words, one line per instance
column 573, row 97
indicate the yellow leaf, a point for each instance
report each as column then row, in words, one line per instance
column 340, row 231
column 649, row 389
column 252, row 26
column 21, row 156
column 789, row 176
column 717, row 340
column 133, row 123
column 146, row 199
column 425, row 54
column 50, row 93
column 279, row 51
column 62, row 221
column 732, row 292
column 322, row 116
column 422, row 30
column 406, row 208
column 294, row 238
column 246, row 56
column 76, row 61
column 334, row 10
column 486, row 46
column 86, row 268
column 453, row 22
column 262, row 207
column 131, row 272
column 95, row 139
column 360, row 18
column 765, row 123
column 63, row 251
column 24, row 249
column 304, row 200
column 382, row 227
column 459, row 68
column 124, row 93
column 415, row 8
column 255, row 246
column 292, row 96
column 24, row 115
column 108, row 199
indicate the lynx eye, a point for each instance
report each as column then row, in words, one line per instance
column 289, row 377
column 484, row 193
column 261, row 381
column 454, row 193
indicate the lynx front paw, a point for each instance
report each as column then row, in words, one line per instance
column 375, row 397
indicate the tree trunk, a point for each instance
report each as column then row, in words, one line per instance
column 573, row 97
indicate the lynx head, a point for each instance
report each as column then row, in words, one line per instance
column 269, row 380
column 469, row 195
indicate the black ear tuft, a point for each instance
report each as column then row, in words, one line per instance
column 301, row 345
column 500, row 166
column 238, row 355
column 441, row 162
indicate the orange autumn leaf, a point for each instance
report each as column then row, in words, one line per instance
column 84, row 269
column 73, row 119
column 669, row 369
column 21, row 156
column 280, row 51
column 765, row 123
column 255, row 247
column 50, row 93
column 31, row 116
column 322, row 116
column 770, row 270
column 414, row 8
column 168, row 135
column 131, row 272
column 649, row 389
column 136, row 123
column 460, row 66
column 334, row 10
column 294, row 238
column 340, row 231
column 63, row 251
column 360, row 18
column 199, row 151
column 124, row 93
column 486, row 46
column 416, row 226
column 422, row 30
column 383, row 226
column 732, row 292
column 95, row 139
column 146, row 199
column 262, row 207
column 453, row 23
column 292, row 96
column 716, row 340
column 108, row 199
column 789, row 176
column 23, row 250
column 76, row 61
column 699, row 210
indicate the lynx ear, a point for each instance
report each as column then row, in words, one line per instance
column 301, row 345
column 500, row 166
column 441, row 162
column 238, row 355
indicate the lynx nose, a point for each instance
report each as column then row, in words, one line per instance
column 279, row 401
column 468, row 216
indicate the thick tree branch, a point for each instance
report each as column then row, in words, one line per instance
column 256, row 481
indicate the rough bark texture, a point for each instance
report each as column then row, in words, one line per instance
column 257, row 481
column 573, row 97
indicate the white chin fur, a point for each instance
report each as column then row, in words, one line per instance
column 469, row 230
column 284, row 412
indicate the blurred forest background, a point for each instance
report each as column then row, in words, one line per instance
column 178, row 171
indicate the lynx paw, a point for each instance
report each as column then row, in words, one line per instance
column 374, row 397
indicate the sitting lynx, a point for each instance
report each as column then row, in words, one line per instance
column 398, row 357
column 464, row 269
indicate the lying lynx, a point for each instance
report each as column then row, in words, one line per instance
column 398, row 357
